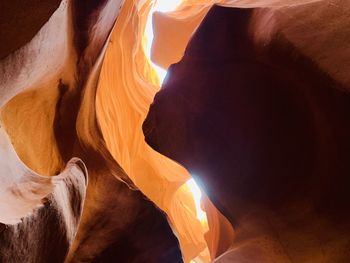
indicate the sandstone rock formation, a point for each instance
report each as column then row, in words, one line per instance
column 48, row 89
column 255, row 105
column 258, row 110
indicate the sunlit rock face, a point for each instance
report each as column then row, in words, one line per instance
column 254, row 109
column 48, row 86
column 126, row 88
column 258, row 110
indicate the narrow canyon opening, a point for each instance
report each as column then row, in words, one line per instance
column 174, row 131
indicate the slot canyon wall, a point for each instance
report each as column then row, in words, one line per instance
column 255, row 106
column 261, row 104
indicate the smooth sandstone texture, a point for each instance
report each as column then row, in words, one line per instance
column 50, row 70
column 46, row 233
column 23, row 190
column 254, row 112
column 48, row 89
column 127, row 85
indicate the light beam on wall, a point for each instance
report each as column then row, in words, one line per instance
column 168, row 6
column 197, row 196
column 158, row 6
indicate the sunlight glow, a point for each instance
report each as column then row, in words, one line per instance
column 168, row 6
column 197, row 196
column 158, row 6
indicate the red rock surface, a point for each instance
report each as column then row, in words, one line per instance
column 18, row 26
column 48, row 88
column 262, row 123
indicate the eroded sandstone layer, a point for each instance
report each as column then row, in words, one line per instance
column 258, row 109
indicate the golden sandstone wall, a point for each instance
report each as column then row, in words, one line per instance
column 126, row 88
column 128, row 83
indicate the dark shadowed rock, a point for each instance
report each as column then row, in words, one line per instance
column 264, row 130
column 18, row 26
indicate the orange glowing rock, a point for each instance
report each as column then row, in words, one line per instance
column 78, row 79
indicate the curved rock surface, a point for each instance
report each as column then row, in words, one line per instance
column 256, row 109
column 48, row 89
column 254, row 113
column 45, row 234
